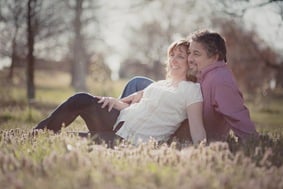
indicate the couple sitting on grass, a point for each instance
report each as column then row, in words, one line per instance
column 213, row 105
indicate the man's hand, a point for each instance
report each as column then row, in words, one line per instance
column 134, row 98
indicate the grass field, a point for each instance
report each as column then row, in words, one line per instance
column 68, row 161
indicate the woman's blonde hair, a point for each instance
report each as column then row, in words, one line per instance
column 177, row 44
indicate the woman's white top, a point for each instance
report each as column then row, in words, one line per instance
column 159, row 113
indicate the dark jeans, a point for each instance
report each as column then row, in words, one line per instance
column 135, row 84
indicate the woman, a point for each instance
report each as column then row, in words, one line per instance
column 155, row 112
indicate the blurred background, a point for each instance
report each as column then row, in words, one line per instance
column 112, row 40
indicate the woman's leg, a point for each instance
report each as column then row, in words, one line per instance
column 81, row 104
column 135, row 84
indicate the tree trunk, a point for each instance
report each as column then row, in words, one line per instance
column 79, row 60
column 280, row 76
column 30, row 56
column 13, row 56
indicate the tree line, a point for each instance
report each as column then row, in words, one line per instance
column 38, row 29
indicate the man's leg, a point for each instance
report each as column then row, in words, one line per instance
column 136, row 84
column 182, row 134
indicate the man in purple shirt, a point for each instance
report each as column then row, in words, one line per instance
column 223, row 106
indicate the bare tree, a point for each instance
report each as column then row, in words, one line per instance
column 247, row 54
column 41, row 25
column 31, row 32
column 78, row 68
column 149, row 41
column 13, row 18
column 79, row 54
column 239, row 9
column 26, row 24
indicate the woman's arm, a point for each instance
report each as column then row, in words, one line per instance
column 194, row 112
column 133, row 98
column 112, row 103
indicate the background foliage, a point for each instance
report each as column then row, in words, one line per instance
column 88, row 37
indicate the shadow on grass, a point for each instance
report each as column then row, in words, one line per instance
column 266, row 150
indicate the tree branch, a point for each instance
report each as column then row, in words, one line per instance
column 248, row 6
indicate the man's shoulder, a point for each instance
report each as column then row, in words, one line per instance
column 220, row 75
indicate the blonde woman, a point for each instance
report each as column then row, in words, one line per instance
column 153, row 113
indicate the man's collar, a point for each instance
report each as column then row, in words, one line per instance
column 201, row 74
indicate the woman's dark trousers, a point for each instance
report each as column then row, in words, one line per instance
column 98, row 120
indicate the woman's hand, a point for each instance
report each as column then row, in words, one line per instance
column 198, row 133
column 111, row 103
column 107, row 101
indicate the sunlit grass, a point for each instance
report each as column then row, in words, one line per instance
column 64, row 160
column 68, row 161
column 106, row 88
column 268, row 113
column 53, row 95
column 52, row 88
column 14, row 117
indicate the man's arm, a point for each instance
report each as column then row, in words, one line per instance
column 133, row 98
column 229, row 102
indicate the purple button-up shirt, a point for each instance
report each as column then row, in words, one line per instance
column 223, row 106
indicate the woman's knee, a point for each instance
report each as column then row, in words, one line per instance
column 82, row 97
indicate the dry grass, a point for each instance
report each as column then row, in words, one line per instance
column 68, row 161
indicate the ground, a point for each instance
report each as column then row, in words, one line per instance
column 64, row 160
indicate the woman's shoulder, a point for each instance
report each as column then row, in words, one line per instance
column 191, row 92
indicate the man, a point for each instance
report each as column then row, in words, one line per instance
column 223, row 106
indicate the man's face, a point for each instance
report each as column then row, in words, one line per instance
column 198, row 56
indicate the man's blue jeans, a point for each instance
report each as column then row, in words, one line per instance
column 135, row 84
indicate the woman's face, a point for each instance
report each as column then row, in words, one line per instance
column 198, row 56
column 178, row 63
